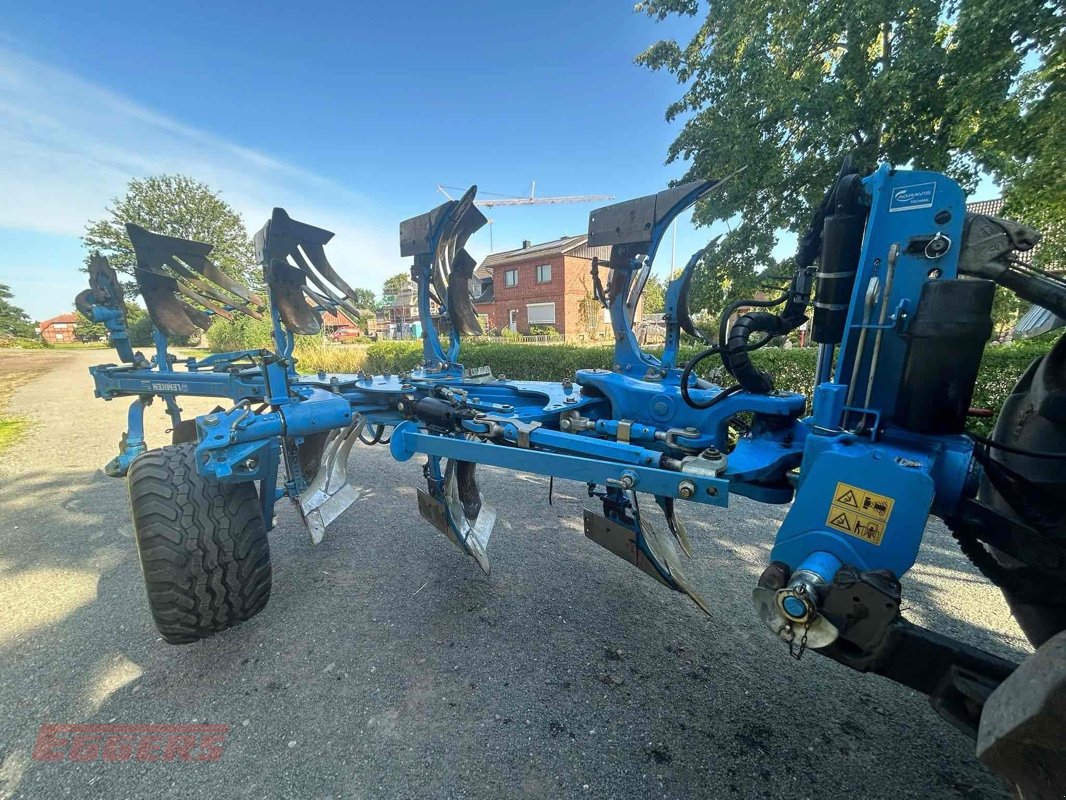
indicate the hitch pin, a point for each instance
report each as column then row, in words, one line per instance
column 247, row 411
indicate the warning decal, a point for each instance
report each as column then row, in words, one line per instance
column 860, row 513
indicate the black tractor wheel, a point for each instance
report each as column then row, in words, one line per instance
column 202, row 545
column 1031, row 489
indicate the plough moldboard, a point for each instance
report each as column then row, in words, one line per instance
column 900, row 278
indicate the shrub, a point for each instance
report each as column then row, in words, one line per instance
column 793, row 370
column 544, row 330
column 240, row 333
column 23, row 343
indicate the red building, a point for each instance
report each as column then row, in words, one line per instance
column 59, row 329
column 543, row 285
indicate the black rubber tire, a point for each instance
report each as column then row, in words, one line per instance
column 1033, row 417
column 203, row 546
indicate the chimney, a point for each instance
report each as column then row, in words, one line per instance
column 526, row 244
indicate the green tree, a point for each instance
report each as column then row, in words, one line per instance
column 1034, row 168
column 174, row 205
column 654, row 295
column 13, row 320
column 364, row 298
column 88, row 331
column 396, row 284
column 787, row 89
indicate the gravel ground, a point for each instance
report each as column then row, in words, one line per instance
column 387, row 665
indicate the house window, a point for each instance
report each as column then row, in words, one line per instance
column 510, row 278
column 540, row 313
column 544, row 273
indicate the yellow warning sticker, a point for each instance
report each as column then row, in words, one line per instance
column 860, row 513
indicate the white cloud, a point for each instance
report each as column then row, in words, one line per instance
column 70, row 146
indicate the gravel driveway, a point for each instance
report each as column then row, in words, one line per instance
column 387, row 665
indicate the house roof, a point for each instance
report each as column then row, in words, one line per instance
column 69, row 317
column 336, row 319
column 989, row 207
column 569, row 245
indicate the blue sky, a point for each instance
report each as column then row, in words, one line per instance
column 346, row 114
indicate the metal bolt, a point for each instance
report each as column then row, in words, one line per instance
column 570, row 400
column 712, row 491
column 686, row 489
column 250, row 463
column 211, row 419
column 564, row 424
column 627, row 481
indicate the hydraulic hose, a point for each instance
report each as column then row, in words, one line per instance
column 736, row 353
column 728, row 311
column 694, row 362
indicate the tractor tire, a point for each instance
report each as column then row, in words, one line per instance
column 1034, row 418
column 202, row 545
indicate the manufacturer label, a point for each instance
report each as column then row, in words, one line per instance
column 169, row 387
column 912, row 198
column 858, row 512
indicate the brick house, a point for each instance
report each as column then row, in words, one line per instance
column 58, row 329
column 335, row 318
column 543, row 285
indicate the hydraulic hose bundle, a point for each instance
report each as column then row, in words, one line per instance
column 835, row 234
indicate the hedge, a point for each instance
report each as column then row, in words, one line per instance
column 793, row 370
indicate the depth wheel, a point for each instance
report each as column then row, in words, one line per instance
column 202, row 545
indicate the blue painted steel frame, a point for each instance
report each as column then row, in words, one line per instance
column 640, row 397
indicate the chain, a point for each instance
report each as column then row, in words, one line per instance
column 797, row 653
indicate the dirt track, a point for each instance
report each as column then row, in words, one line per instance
column 387, row 665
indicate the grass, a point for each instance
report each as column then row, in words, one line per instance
column 313, row 354
column 11, row 430
column 17, row 366
column 79, row 346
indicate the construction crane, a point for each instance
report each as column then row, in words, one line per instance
column 495, row 199
column 511, row 200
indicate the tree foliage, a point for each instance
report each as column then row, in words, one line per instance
column 654, row 295
column 785, row 89
column 395, row 284
column 85, row 330
column 13, row 320
column 174, row 205
column 364, row 298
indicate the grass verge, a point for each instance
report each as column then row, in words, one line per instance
column 18, row 366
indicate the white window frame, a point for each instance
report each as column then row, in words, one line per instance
column 537, row 273
column 507, row 278
column 536, row 313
